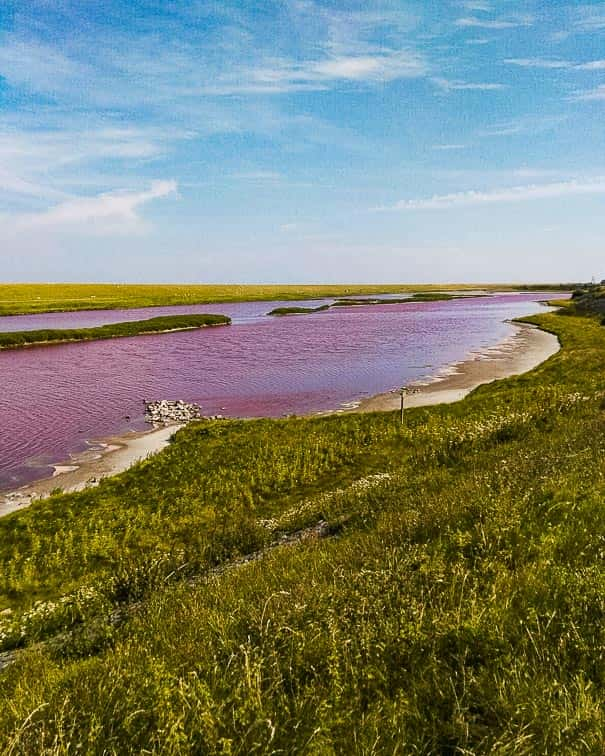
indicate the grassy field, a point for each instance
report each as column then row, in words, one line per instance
column 13, row 340
column 456, row 604
column 30, row 298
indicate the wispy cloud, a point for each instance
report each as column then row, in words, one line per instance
column 475, row 22
column 592, row 65
column 589, row 18
column 14, row 185
column 110, row 213
column 475, row 6
column 538, row 63
column 281, row 76
column 523, row 125
column 272, row 177
column 590, row 95
column 320, row 48
column 449, row 147
column 448, row 85
column 513, row 194
column 39, row 165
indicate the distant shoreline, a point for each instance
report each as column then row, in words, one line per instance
column 36, row 299
column 527, row 348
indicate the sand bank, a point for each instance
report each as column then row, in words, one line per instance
column 524, row 350
column 114, row 455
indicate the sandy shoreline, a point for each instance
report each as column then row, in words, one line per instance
column 524, row 350
column 115, row 455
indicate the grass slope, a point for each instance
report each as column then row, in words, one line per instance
column 31, row 298
column 16, row 339
column 458, row 606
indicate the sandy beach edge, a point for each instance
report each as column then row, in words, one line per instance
column 114, row 455
column 525, row 349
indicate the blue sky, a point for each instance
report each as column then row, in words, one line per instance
column 302, row 140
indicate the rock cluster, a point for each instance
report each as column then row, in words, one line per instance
column 165, row 411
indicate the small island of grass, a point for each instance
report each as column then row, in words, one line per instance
column 164, row 324
column 280, row 311
column 426, row 296
column 433, row 296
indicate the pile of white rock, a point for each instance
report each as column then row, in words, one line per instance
column 165, row 412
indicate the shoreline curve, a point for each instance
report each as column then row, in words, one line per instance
column 528, row 347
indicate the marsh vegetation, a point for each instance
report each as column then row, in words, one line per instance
column 14, row 339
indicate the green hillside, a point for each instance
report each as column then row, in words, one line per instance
column 334, row 585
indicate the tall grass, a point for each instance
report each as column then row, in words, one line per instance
column 456, row 608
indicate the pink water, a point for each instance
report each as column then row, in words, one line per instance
column 55, row 399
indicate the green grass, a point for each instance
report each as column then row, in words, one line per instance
column 32, row 298
column 589, row 300
column 458, row 606
column 418, row 297
column 430, row 296
column 12, row 340
column 281, row 311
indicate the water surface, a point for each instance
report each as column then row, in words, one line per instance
column 55, row 399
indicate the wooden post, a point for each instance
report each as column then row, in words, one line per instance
column 403, row 392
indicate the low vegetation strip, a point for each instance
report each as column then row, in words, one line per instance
column 456, row 608
column 18, row 299
column 280, row 311
column 13, row 340
column 353, row 302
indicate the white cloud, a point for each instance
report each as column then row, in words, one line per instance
column 280, row 76
column 41, row 165
column 110, row 213
column 593, row 65
column 452, row 86
column 472, row 22
column 473, row 6
column 538, row 63
column 449, row 147
column 12, row 184
column 591, row 94
column 524, row 125
column 589, row 18
column 272, row 177
column 331, row 46
column 32, row 65
column 378, row 68
column 501, row 196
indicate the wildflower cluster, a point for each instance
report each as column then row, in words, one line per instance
column 313, row 509
column 48, row 617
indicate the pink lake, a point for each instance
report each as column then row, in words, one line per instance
column 56, row 399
